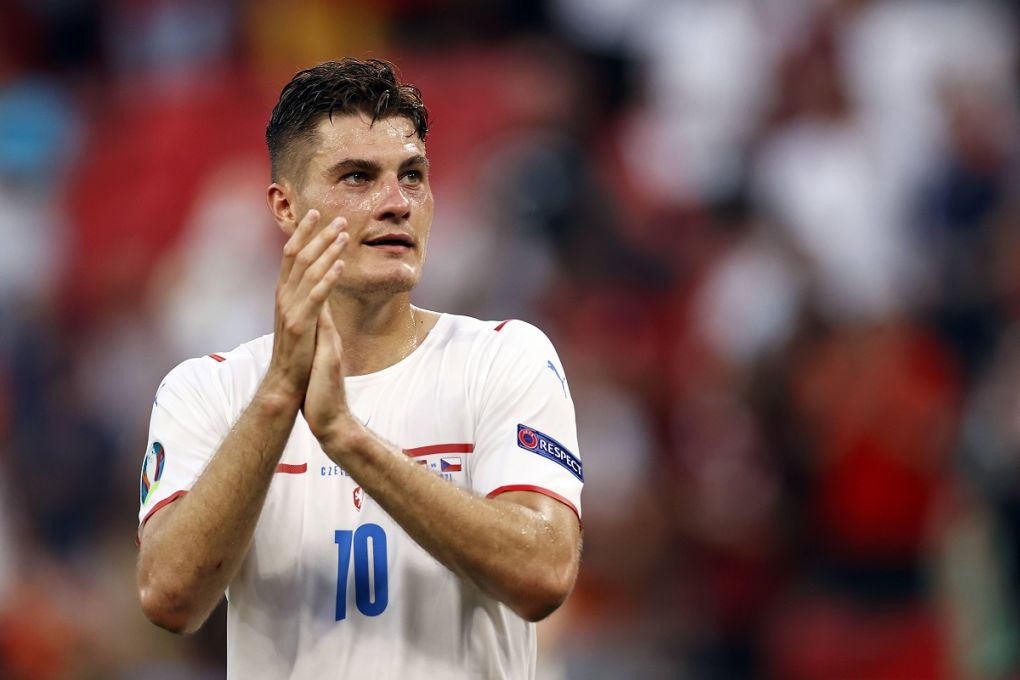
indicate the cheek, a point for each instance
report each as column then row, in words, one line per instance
column 314, row 196
column 424, row 240
column 426, row 206
column 424, row 223
column 339, row 204
column 332, row 199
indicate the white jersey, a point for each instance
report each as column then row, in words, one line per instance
column 332, row 586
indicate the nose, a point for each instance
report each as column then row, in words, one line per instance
column 393, row 204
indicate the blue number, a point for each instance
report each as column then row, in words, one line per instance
column 343, row 541
column 362, row 591
column 362, row 575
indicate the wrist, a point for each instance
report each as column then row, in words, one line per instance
column 277, row 397
column 345, row 432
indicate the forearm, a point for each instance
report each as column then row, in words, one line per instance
column 189, row 557
column 191, row 550
column 522, row 556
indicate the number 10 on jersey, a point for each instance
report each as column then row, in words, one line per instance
column 371, row 601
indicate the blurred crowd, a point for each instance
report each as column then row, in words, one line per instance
column 776, row 242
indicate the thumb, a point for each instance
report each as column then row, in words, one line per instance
column 328, row 328
column 327, row 339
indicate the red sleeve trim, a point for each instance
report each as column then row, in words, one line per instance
column 290, row 469
column 500, row 326
column 439, row 448
column 536, row 489
column 217, row 357
column 156, row 508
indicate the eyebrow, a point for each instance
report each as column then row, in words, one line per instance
column 417, row 159
column 352, row 164
column 364, row 165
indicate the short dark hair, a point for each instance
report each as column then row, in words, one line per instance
column 343, row 87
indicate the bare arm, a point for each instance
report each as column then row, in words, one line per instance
column 192, row 549
column 522, row 548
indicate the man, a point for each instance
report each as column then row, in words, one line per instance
column 382, row 491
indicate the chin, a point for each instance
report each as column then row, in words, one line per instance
column 381, row 285
column 394, row 286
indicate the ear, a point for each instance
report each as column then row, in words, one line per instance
column 280, row 204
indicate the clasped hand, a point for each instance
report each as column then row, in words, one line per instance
column 306, row 368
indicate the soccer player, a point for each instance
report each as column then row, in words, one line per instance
column 382, row 491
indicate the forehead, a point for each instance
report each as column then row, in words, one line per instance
column 356, row 136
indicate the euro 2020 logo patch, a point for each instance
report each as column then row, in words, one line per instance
column 152, row 471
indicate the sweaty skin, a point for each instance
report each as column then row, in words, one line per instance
column 343, row 308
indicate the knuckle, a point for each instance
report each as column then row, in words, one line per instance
column 310, row 278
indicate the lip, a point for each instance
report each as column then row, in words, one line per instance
column 393, row 242
column 392, row 249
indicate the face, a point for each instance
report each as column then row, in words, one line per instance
column 376, row 176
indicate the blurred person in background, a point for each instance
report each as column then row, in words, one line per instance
column 270, row 472
column 819, row 199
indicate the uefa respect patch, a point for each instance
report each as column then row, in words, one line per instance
column 152, row 471
column 530, row 439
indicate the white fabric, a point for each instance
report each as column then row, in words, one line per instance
column 463, row 393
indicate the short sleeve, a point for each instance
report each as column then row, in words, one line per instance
column 185, row 430
column 525, row 430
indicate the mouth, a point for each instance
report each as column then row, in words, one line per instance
column 395, row 242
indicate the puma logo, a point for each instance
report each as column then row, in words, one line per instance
column 563, row 382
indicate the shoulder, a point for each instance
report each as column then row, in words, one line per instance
column 501, row 352
column 522, row 346
column 221, row 373
column 521, row 334
column 501, row 336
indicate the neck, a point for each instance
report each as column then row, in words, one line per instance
column 376, row 333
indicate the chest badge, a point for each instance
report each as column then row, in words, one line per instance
column 359, row 498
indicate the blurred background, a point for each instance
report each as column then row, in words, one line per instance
column 776, row 242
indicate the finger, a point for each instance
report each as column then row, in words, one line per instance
column 319, row 279
column 329, row 328
column 314, row 249
column 332, row 330
column 318, row 269
column 324, row 326
column 312, row 302
column 325, row 341
column 297, row 241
